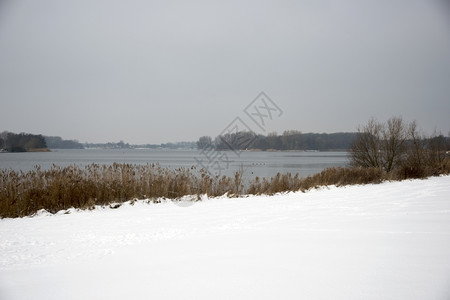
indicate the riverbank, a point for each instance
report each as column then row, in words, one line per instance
column 60, row 188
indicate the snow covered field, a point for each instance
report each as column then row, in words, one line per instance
column 387, row 241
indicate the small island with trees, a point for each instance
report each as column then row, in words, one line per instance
column 27, row 142
column 22, row 142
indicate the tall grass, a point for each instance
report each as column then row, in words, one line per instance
column 24, row 193
column 60, row 188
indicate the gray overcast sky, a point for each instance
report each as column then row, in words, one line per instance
column 160, row 71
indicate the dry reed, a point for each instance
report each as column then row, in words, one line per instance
column 60, row 188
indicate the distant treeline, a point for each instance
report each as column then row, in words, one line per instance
column 123, row 145
column 110, row 145
column 56, row 142
column 289, row 140
column 22, row 142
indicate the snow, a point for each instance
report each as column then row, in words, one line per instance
column 386, row 241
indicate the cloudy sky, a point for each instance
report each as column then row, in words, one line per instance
column 160, row 71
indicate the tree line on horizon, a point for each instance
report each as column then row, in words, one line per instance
column 56, row 142
column 123, row 145
column 243, row 140
column 289, row 140
column 23, row 142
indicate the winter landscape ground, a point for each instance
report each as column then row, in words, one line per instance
column 385, row 241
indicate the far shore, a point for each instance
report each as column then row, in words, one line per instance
column 27, row 150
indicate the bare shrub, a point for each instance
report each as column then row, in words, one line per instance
column 425, row 156
column 399, row 149
column 379, row 145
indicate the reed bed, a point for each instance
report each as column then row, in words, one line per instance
column 61, row 188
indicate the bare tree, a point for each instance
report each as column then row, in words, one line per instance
column 435, row 149
column 395, row 136
column 366, row 149
column 416, row 150
column 380, row 145
column 399, row 147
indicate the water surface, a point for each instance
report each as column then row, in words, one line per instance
column 262, row 164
